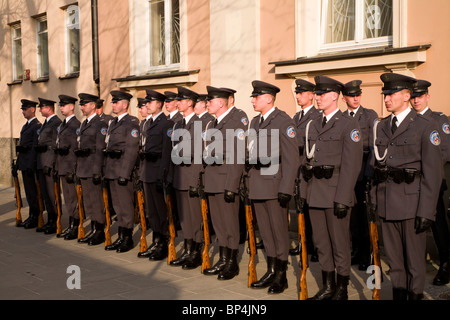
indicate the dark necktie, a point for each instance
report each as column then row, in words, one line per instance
column 302, row 114
column 261, row 121
column 216, row 122
column 352, row 114
column 183, row 123
column 394, row 125
column 324, row 121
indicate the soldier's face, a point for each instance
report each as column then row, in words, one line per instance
column 67, row 109
column 326, row 101
column 305, row 99
column 184, row 104
column 262, row 103
column 421, row 102
column 214, row 105
column 88, row 109
column 200, row 107
column 171, row 106
column 153, row 107
column 119, row 107
column 28, row 113
column 397, row 102
column 143, row 111
column 45, row 111
column 352, row 102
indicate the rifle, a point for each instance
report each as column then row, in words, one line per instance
column 302, row 240
column 58, row 202
column 41, row 203
column 251, row 233
column 205, row 254
column 370, row 209
column 172, row 255
column 80, row 210
column 107, row 214
column 18, row 196
column 140, row 200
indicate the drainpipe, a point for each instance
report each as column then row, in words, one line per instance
column 95, row 50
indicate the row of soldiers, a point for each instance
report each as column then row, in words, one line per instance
column 333, row 155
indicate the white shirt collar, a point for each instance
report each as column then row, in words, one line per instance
column 268, row 113
column 201, row 115
column 331, row 115
column 29, row 121
column 154, row 117
column 224, row 114
column 48, row 118
column 69, row 117
column 121, row 116
column 91, row 117
column 189, row 117
column 172, row 114
column 424, row 110
column 354, row 111
column 401, row 116
column 305, row 111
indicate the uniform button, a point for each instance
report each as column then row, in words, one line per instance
column 390, row 157
column 392, row 143
column 318, row 149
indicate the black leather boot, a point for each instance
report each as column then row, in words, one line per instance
column 295, row 251
column 127, row 240
column 31, row 222
column 194, row 259
column 98, row 235
column 73, row 231
column 156, row 237
column 329, row 286
column 400, row 294
column 267, row 279
column 443, row 274
column 188, row 248
column 279, row 283
column 161, row 249
column 220, row 264
column 65, row 231
column 341, row 288
column 116, row 243
column 415, row 296
column 231, row 268
column 89, row 235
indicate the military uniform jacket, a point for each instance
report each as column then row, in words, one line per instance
column 182, row 172
column 157, row 146
column 265, row 185
column 47, row 142
column 444, row 132
column 27, row 157
column 300, row 125
column 123, row 138
column 414, row 145
column 106, row 117
column 337, row 144
column 177, row 117
column 67, row 140
column 219, row 178
column 91, row 141
column 366, row 119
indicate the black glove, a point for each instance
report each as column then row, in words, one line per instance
column 70, row 178
column 122, row 181
column 340, row 210
column 14, row 171
column 193, row 192
column 159, row 186
column 284, row 199
column 229, row 196
column 422, row 224
column 96, row 179
column 300, row 203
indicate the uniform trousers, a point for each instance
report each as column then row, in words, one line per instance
column 190, row 215
column 69, row 191
column 48, row 192
column 440, row 227
column 405, row 251
column 93, row 200
column 225, row 220
column 332, row 240
column 123, row 203
column 156, row 208
column 273, row 226
column 29, row 183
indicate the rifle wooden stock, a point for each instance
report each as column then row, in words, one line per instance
column 41, row 204
column 58, row 206
column 304, row 256
column 18, row 200
column 80, row 211
column 143, row 240
column 205, row 254
column 251, row 244
column 172, row 255
column 107, row 216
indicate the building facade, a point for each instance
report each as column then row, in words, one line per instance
column 62, row 47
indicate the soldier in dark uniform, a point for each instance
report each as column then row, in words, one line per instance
column 99, row 110
column 223, row 171
column 359, row 225
column 46, row 161
column 66, row 161
column 27, row 161
column 419, row 100
column 330, row 169
column 171, row 105
column 305, row 99
column 271, row 181
column 407, row 175
column 122, row 150
column 89, row 152
column 155, row 148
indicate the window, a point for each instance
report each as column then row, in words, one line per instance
column 164, row 33
column 352, row 24
column 16, row 35
column 72, row 38
column 42, row 47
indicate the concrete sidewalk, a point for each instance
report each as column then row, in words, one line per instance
column 34, row 266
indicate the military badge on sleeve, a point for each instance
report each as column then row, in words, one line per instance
column 355, row 135
column 446, row 128
column 134, row 133
column 435, row 139
column 104, row 131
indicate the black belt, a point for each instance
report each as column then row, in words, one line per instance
column 319, row 172
column 83, row 153
column 62, row 151
column 113, row 154
column 261, row 163
column 150, row 156
column 398, row 175
column 42, row 148
column 23, row 149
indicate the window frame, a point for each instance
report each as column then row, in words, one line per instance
column 38, row 43
column 67, row 28
column 14, row 38
column 359, row 42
